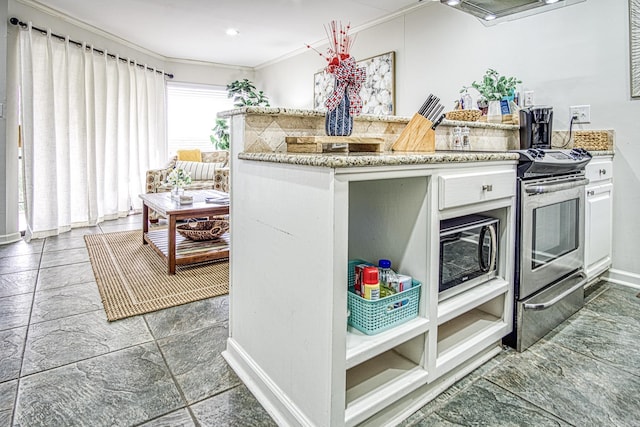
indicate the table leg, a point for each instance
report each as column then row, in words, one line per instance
column 172, row 245
column 145, row 222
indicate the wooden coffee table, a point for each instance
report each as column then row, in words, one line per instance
column 174, row 248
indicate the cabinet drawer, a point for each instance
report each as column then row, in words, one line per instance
column 469, row 187
column 599, row 170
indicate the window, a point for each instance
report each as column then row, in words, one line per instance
column 191, row 114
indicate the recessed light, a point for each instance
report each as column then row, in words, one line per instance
column 490, row 17
column 232, row 32
column 551, row 1
column 453, row 2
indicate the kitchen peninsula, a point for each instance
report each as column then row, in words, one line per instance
column 297, row 219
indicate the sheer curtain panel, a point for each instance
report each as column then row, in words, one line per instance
column 91, row 127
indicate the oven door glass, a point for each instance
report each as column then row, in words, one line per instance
column 555, row 232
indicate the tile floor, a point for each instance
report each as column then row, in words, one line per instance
column 63, row 364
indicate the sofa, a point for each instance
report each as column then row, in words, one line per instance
column 210, row 173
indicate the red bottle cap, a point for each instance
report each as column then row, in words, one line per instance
column 370, row 275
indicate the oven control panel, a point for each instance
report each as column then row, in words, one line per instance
column 536, row 162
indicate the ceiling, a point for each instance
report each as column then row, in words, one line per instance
column 195, row 29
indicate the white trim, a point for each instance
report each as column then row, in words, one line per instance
column 624, row 278
column 10, row 238
column 57, row 14
column 354, row 30
column 270, row 396
column 206, row 63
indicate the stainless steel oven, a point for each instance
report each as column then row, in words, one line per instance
column 549, row 276
column 552, row 231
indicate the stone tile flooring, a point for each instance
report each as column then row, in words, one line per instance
column 63, row 364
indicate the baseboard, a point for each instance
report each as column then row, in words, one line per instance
column 270, row 396
column 10, row 238
column 624, row 278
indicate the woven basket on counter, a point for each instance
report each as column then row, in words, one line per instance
column 591, row 140
column 464, row 115
column 203, row 230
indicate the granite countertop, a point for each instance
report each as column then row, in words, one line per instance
column 346, row 160
column 602, row 153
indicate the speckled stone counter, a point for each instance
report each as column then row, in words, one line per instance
column 602, row 153
column 263, row 129
column 347, row 160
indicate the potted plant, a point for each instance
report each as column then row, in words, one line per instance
column 244, row 93
column 220, row 137
column 493, row 87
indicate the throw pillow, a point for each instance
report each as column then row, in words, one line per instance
column 198, row 171
column 190, row 155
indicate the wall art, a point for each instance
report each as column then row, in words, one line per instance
column 377, row 92
column 634, row 44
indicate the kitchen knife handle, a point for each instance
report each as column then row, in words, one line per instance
column 437, row 122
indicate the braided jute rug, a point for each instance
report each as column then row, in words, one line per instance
column 132, row 278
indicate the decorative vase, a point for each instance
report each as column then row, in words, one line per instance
column 494, row 114
column 176, row 192
column 339, row 122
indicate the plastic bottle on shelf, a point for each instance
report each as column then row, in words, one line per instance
column 388, row 277
column 371, row 283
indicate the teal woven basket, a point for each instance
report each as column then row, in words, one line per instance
column 372, row 317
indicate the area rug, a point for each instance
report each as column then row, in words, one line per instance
column 132, row 278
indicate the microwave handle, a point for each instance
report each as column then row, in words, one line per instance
column 494, row 248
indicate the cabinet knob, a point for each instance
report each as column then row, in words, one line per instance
column 603, row 171
column 487, row 187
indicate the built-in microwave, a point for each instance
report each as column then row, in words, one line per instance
column 468, row 253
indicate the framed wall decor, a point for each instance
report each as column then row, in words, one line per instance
column 377, row 92
column 634, row 45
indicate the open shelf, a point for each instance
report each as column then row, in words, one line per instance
column 361, row 347
column 462, row 336
column 384, row 379
column 463, row 302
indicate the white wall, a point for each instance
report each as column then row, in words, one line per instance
column 569, row 56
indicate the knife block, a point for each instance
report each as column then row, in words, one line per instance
column 417, row 136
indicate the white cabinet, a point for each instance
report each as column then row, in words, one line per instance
column 598, row 216
column 295, row 228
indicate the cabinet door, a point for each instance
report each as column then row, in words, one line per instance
column 598, row 229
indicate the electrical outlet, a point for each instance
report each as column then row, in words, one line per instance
column 528, row 98
column 581, row 113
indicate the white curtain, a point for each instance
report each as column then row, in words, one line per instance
column 91, row 127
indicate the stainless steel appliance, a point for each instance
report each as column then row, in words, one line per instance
column 468, row 253
column 549, row 278
column 535, row 127
column 491, row 12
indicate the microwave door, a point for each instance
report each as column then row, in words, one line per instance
column 487, row 263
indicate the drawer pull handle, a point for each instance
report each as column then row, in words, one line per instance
column 591, row 193
column 487, row 187
column 603, row 171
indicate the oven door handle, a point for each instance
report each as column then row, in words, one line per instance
column 494, row 248
column 552, row 188
column 552, row 301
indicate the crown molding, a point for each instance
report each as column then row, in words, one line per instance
column 355, row 30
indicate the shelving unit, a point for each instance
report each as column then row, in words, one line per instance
column 380, row 381
column 361, row 347
column 461, row 336
column 289, row 341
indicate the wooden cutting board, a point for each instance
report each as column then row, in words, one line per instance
column 322, row 144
